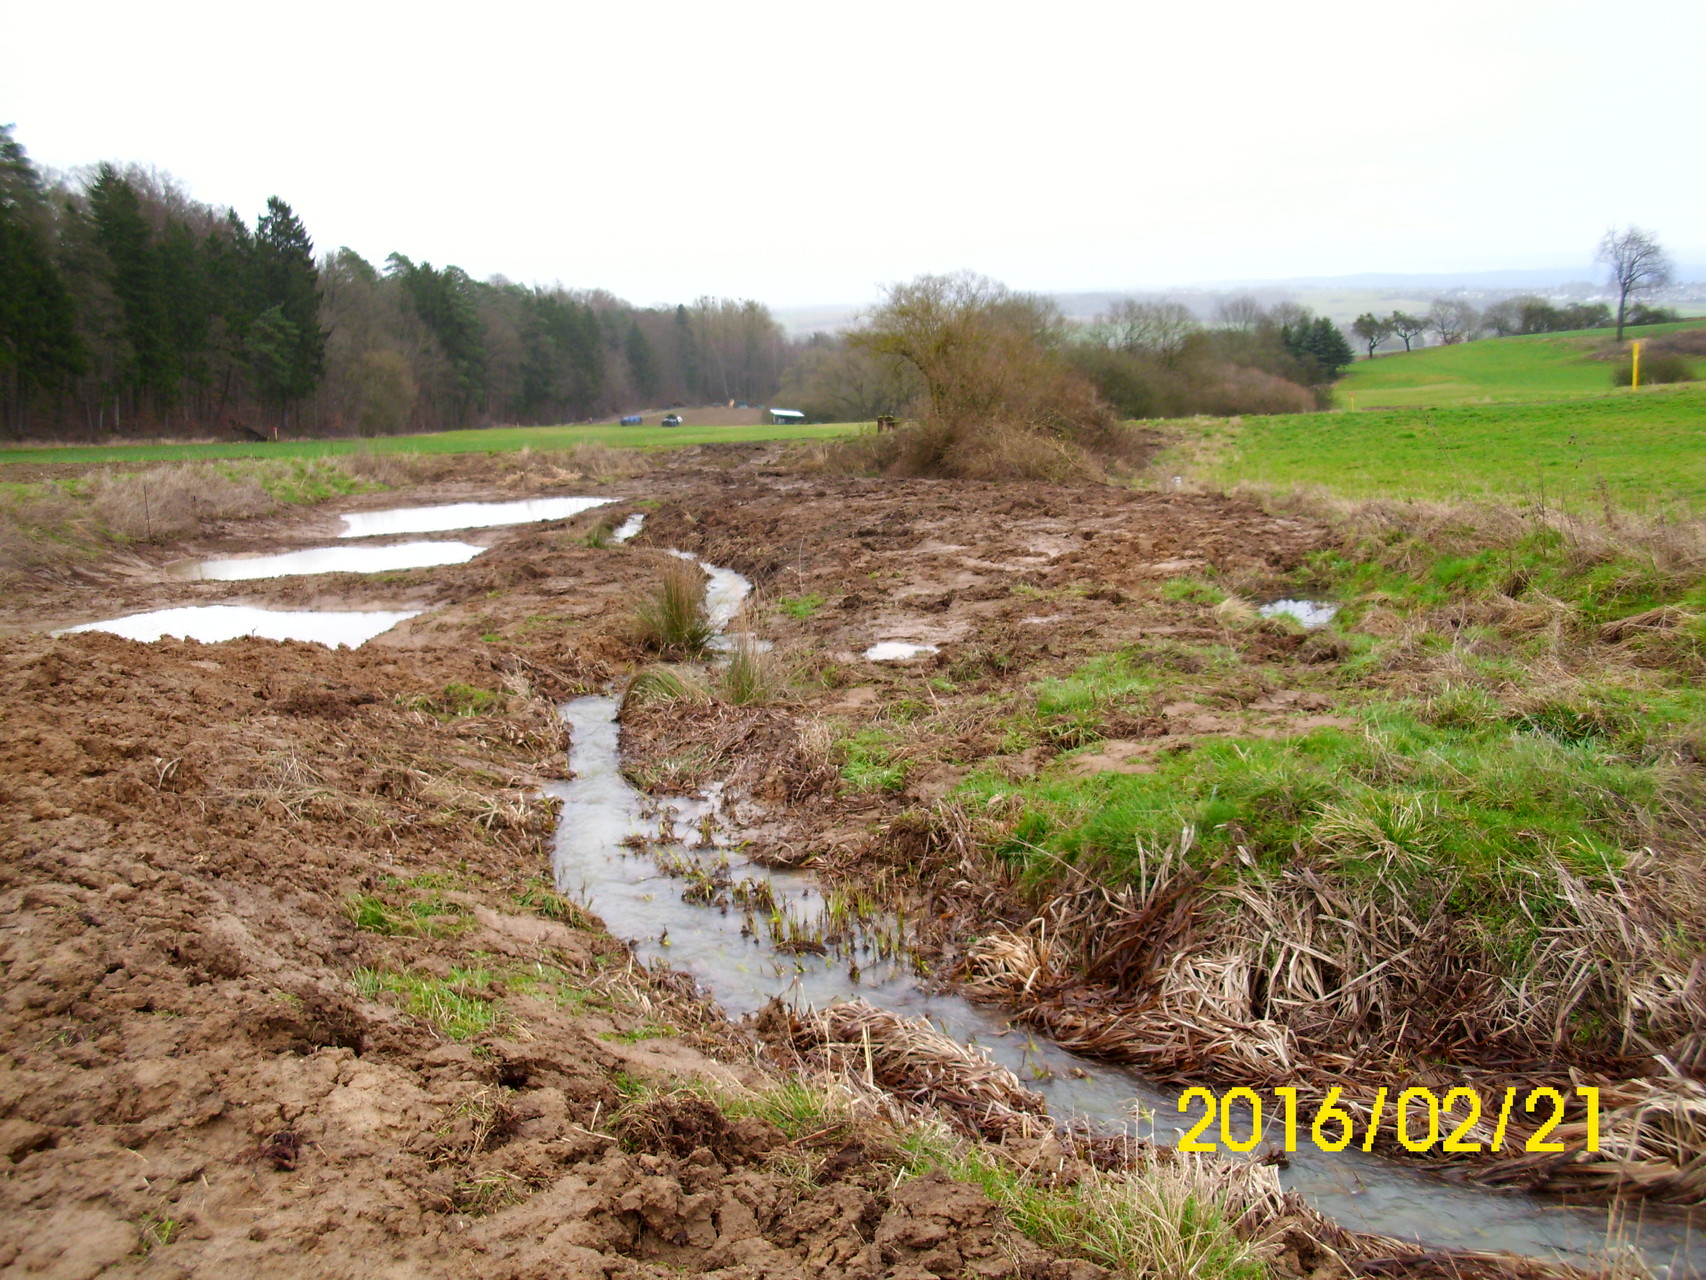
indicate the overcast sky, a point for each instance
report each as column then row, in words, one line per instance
column 803, row 153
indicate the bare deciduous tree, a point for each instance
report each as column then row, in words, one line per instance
column 1240, row 311
column 1637, row 261
column 1454, row 319
column 1154, row 328
column 841, row 383
column 978, row 345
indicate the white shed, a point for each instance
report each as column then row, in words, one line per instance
column 780, row 417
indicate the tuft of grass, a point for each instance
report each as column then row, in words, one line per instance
column 1163, row 1220
column 156, row 1231
column 869, row 761
column 452, row 1005
column 542, row 900
column 599, row 536
column 1192, row 591
column 671, row 622
column 663, row 682
column 459, row 701
column 801, row 606
column 750, row 677
column 372, row 915
column 1421, row 788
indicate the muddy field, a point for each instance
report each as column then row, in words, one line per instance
column 288, row 989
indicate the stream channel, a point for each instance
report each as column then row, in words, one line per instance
column 612, row 845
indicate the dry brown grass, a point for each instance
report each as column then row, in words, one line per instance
column 172, row 501
column 910, row 1059
column 991, row 451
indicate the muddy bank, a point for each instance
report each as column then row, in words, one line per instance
column 288, row 994
column 288, row 988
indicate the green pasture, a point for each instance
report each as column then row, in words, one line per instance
column 1493, row 370
column 485, row 440
column 1643, row 451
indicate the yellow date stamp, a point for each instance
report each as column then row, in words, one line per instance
column 1461, row 1122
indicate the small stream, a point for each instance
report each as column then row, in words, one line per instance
column 603, row 819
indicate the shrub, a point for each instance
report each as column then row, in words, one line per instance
column 1656, row 367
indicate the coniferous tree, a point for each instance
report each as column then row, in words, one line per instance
column 642, row 361
column 286, row 285
column 132, row 269
column 40, row 349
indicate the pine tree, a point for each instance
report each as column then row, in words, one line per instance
column 642, row 361
column 149, row 362
column 40, row 350
column 286, row 281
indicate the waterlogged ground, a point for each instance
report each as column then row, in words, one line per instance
column 289, row 992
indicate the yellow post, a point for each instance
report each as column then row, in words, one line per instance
column 1634, row 364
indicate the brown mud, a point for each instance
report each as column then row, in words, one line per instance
column 287, row 992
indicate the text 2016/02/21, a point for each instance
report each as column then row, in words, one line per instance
column 1420, row 1119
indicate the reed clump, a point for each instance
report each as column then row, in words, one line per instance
column 671, row 621
column 751, row 677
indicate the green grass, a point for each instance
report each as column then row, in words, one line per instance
column 1489, row 371
column 458, row 701
column 1412, row 572
column 1643, row 451
column 1459, row 782
column 1153, row 1223
column 489, row 440
column 868, row 762
column 297, row 481
column 801, row 606
column 451, row 1004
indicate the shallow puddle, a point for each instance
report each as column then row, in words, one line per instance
column 625, row 531
column 213, row 623
column 1311, row 613
column 897, row 651
column 396, row 555
column 464, row 515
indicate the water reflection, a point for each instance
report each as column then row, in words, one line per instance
column 396, row 555
column 464, row 515
column 213, row 623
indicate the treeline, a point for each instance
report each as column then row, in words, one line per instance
column 1453, row 320
column 127, row 307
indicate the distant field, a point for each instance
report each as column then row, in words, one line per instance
column 493, row 440
column 1491, row 371
column 1648, row 450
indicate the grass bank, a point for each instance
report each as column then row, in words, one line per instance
column 1544, row 366
column 1482, row 853
column 1642, row 451
column 487, row 440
